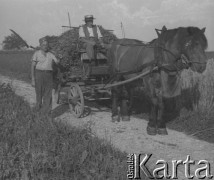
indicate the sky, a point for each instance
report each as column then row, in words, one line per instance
column 33, row 19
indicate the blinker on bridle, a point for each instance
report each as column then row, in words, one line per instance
column 188, row 43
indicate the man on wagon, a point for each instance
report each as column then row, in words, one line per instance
column 42, row 76
column 91, row 38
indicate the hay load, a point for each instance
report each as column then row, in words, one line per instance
column 66, row 45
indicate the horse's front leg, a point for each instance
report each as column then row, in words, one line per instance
column 152, row 124
column 153, row 100
column 161, row 123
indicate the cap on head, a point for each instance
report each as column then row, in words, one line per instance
column 44, row 39
column 89, row 18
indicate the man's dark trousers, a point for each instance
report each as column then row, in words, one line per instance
column 43, row 87
column 91, row 52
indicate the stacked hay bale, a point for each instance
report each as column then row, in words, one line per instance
column 66, row 46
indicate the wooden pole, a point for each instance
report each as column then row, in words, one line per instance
column 69, row 20
column 123, row 30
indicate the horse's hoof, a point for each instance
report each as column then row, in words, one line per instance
column 125, row 118
column 115, row 118
column 162, row 131
column 151, row 131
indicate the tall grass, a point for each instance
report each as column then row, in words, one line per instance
column 203, row 84
column 32, row 146
column 197, row 96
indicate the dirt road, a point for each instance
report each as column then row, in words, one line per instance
column 131, row 137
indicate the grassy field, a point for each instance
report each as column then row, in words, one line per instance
column 194, row 112
column 34, row 147
column 16, row 63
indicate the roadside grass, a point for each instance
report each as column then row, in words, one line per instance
column 33, row 146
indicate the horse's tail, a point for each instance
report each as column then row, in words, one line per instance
column 112, row 59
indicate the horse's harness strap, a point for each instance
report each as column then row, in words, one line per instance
column 121, row 55
column 138, row 69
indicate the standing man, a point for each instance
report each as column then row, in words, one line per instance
column 42, row 76
column 91, row 37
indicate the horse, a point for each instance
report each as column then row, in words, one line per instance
column 173, row 50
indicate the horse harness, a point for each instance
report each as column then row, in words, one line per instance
column 182, row 62
column 157, row 65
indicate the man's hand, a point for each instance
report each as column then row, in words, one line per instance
column 102, row 45
column 60, row 56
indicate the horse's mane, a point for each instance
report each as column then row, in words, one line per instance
column 186, row 32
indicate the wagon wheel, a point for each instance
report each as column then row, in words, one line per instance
column 76, row 100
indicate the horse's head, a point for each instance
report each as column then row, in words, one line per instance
column 194, row 44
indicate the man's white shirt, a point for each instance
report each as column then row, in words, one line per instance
column 90, row 30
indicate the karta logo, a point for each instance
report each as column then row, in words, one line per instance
column 138, row 163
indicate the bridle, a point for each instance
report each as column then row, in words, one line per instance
column 187, row 46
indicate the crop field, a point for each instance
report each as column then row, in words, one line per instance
column 16, row 63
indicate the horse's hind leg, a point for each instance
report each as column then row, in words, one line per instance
column 131, row 99
column 124, row 106
column 115, row 99
column 124, row 110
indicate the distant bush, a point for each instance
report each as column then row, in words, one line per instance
column 12, row 42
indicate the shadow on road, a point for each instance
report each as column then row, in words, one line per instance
column 59, row 110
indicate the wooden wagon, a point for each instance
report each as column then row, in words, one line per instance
column 79, row 89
